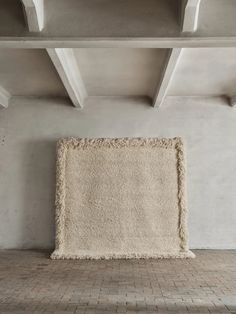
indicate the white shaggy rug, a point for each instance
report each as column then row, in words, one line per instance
column 121, row 198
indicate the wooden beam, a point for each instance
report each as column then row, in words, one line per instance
column 190, row 15
column 34, row 13
column 4, row 97
column 68, row 70
column 167, row 76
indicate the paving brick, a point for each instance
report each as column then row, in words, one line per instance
column 32, row 283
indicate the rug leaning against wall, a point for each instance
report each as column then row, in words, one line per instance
column 121, row 198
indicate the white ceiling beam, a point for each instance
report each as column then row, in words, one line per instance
column 85, row 42
column 4, row 97
column 190, row 14
column 67, row 67
column 167, row 76
column 34, row 12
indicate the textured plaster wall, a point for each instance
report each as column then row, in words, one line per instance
column 205, row 72
column 121, row 72
column 29, row 72
column 29, row 130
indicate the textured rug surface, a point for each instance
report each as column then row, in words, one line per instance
column 121, row 198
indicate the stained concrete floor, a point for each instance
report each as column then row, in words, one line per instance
column 32, row 283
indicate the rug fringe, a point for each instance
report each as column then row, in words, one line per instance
column 58, row 255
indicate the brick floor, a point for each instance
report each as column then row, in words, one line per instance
column 32, row 283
